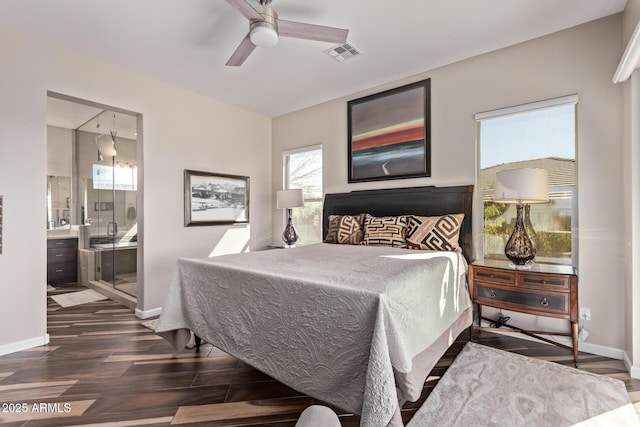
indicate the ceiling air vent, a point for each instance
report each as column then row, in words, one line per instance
column 343, row 52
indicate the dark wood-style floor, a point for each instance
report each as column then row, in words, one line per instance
column 102, row 367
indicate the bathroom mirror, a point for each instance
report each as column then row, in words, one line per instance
column 58, row 202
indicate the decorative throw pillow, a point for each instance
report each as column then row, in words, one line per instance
column 385, row 231
column 438, row 233
column 345, row 229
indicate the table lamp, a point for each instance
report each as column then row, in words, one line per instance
column 288, row 199
column 522, row 187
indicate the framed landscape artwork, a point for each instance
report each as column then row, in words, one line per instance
column 214, row 199
column 390, row 134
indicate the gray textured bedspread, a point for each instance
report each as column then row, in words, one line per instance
column 332, row 321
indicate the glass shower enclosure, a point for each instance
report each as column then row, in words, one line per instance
column 108, row 164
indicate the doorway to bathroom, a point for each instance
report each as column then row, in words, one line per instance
column 105, row 196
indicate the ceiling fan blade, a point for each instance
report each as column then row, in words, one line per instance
column 299, row 30
column 245, row 9
column 242, row 52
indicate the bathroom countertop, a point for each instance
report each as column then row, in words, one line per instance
column 61, row 236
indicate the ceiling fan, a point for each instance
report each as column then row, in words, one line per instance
column 265, row 27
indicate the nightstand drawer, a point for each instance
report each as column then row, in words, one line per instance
column 544, row 281
column 522, row 301
column 504, row 277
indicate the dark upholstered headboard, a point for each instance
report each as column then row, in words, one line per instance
column 423, row 201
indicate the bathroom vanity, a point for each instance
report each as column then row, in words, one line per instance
column 62, row 260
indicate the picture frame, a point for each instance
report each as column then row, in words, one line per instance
column 389, row 134
column 215, row 199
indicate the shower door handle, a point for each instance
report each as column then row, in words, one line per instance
column 112, row 229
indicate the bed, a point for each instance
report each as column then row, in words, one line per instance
column 353, row 326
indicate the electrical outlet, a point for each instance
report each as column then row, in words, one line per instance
column 585, row 313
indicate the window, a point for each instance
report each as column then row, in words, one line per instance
column 303, row 169
column 538, row 135
column 115, row 178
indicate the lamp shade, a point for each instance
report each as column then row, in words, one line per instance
column 291, row 198
column 527, row 185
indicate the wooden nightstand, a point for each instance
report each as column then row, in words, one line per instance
column 543, row 290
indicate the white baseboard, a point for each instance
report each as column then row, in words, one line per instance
column 634, row 371
column 600, row 350
column 145, row 314
column 24, row 345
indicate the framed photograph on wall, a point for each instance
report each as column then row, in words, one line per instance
column 390, row 134
column 214, row 199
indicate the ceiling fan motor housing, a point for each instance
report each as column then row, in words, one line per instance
column 262, row 31
column 265, row 29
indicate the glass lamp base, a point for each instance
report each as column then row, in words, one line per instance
column 526, row 266
column 289, row 236
column 520, row 249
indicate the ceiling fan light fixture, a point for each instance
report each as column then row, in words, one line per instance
column 265, row 28
column 263, row 35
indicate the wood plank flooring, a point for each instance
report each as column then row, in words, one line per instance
column 103, row 368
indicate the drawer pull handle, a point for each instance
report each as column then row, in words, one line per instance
column 544, row 302
column 493, row 276
column 60, row 255
column 59, row 243
column 492, row 294
column 544, row 281
column 59, row 271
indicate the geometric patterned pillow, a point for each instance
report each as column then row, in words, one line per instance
column 345, row 229
column 438, row 233
column 385, row 231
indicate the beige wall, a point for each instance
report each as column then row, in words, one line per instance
column 181, row 130
column 631, row 192
column 578, row 61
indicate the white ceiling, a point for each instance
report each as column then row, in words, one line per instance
column 69, row 115
column 187, row 42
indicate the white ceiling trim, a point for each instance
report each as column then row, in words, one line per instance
column 630, row 58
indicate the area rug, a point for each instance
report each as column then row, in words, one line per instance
column 150, row 324
column 489, row 387
column 77, row 298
